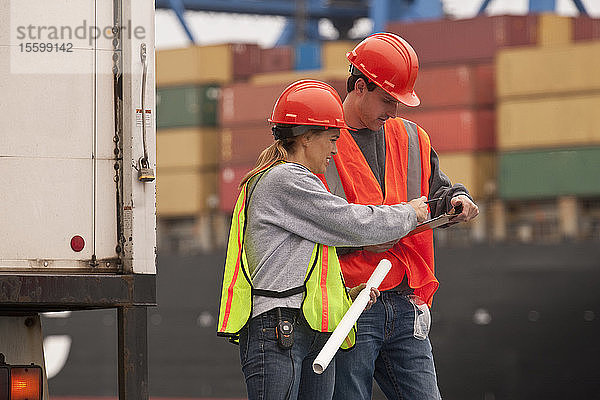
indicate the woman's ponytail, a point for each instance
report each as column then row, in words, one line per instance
column 278, row 151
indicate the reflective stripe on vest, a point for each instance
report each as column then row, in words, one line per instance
column 325, row 299
column 413, row 174
column 407, row 172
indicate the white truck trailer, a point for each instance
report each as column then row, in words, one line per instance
column 77, row 162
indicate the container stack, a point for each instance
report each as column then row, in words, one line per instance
column 189, row 83
column 549, row 128
column 246, row 106
column 456, row 84
column 469, row 122
column 505, row 99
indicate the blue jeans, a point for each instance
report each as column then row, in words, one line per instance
column 275, row 374
column 387, row 350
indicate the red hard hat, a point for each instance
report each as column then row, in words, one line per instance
column 390, row 62
column 309, row 102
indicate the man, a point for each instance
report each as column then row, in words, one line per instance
column 389, row 160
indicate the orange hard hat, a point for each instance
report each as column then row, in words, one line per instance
column 309, row 102
column 390, row 62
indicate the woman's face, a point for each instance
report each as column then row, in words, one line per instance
column 320, row 148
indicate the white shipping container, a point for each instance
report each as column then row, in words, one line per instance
column 62, row 173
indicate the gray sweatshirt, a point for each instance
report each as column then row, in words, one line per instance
column 289, row 211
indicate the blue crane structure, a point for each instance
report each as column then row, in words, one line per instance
column 303, row 16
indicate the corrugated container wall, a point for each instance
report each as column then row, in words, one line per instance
column 243, row 145
column 194, row 65
column 307, row 56
column 333, row 55
column 187, row 106
column 335, row 78
column 229, row 181
column 481, row 37
column 252, row 103
column 276, row 59
column 477, row 171
column 554, row 30
column 185, row 193
column 207, row 64
column 246, row 60
column 457, row 129
column 187, row 148
column 550, row 173
column 548, row 70
column 547, row 122
column 456, row 86
column 243, row 103
column 585, row 28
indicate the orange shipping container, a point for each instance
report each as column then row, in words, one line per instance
column 477, row 171
column 185, row 193
column 457, row 129
column 549, row 122
column 333, row 54
column 456, row 86
column 206, row 64
column 554, row 30
column 187, row 148
column 550, row 70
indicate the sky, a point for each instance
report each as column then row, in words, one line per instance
column 213, row 28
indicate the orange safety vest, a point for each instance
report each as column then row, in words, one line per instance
column 407, row 172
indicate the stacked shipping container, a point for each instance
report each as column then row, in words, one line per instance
column 245, row 107
column 190, row 81
column 541, row 78
column 187, row 98
column 548, row 121
column 189, row 136
column 213, row 103
column 456, row 87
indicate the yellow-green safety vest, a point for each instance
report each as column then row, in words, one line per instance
column 325, row 298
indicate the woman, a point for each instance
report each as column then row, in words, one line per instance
column 283, row 291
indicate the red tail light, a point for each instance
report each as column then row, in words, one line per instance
column 25, row 383
column 20, row 382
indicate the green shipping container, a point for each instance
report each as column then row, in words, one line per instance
column 187, row 106
column 551, row 173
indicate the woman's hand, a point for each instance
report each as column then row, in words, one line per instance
column 356, row 290
column 420, row 208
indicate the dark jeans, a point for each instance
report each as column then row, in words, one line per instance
column 386, row 348
column 275, row 374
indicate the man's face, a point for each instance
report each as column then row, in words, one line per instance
column 375, row 108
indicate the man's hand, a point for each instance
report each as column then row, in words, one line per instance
column 469, row 209
column 420, row 208
column 380, row 248
column 356, row 290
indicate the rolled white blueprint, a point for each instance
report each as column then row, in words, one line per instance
column 341, row 331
